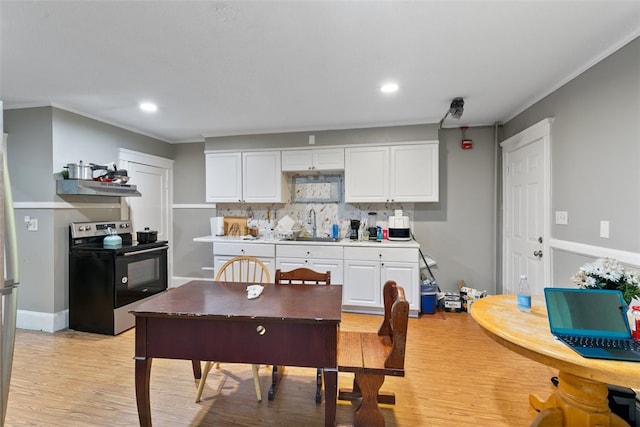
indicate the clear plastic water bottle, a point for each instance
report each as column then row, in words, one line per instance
column 524, row 294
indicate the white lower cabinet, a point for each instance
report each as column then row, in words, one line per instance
column 316, row 257
column 224, row 251
column 366, row 270
column 361, row 270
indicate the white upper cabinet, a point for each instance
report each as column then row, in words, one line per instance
column 366, row 174
column 223, row 177
column 397, row 173
column 414, row 173
column 262, row 177
column 244, row 177
column 320, row 159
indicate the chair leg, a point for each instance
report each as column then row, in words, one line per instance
column 203, row 379
column 319, row 386
column 256, row 382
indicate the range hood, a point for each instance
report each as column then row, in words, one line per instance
column 84, row 187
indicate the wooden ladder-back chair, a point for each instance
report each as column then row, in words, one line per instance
column 245, row 269
column 372, row 356
column 303, row 276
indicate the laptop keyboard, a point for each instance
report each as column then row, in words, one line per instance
column 611, row 343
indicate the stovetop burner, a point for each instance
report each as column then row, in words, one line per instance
column 90, row 236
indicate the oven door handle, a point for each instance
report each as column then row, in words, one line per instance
column 144, row 251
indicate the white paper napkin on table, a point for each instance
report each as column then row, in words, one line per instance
column 254, row 291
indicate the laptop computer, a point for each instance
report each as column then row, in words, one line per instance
column 593, row 322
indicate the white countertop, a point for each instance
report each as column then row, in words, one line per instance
column 342, row 242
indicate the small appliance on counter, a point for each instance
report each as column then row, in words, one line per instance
column 372, row 222
column 399, row 226
column 355, row 225
column 217, row 225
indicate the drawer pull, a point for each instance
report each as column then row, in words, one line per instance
column 261, row 330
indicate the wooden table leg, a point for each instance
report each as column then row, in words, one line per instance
column 142, row 374
column 368, row 413
column 330, row 396
column 197, row 369
column 577, row 402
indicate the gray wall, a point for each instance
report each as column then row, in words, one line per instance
column 40, row 142
column 190, row 222
column 595, row 153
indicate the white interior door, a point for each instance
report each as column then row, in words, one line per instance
column 526, row 194
column 150, row 210
column 153, row 177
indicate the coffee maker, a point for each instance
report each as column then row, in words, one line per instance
column 355, row 225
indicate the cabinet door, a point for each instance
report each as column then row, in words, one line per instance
column 366, row 174
column 414, row 173
column 405, row 274
column 328, row 159
column 262, row 176
column 362, row 283
column 223, row 177
column 321, row 159
column 335, row 266
column 296, row 160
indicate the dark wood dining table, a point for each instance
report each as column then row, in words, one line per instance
column 291, row 325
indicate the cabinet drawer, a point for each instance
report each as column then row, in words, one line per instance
column 382, row 254
column 238, row 249
column 310, row 251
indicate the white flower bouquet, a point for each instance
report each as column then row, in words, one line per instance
column 608, row 273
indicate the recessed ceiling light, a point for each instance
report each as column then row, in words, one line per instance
column 389, row 87
column 148, row 107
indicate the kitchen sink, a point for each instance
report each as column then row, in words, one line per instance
column 311, row 239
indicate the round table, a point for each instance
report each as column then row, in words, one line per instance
column 581, row 396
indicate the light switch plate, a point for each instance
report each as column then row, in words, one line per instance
column 562, row 217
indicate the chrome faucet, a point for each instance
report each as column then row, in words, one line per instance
column 314, row 225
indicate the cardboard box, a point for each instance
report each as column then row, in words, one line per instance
column 452, row 303
column 469, row 295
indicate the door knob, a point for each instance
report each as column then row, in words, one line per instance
column 540, row 239
column 538, row 254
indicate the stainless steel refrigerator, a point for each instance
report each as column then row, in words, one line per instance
column 8, row 276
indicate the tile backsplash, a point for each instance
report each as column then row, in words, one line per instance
column 327, row 213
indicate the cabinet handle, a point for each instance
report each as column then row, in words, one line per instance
column 306, row 261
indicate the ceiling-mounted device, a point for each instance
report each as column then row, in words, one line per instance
column 455, row 109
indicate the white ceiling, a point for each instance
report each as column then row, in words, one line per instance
column 246, row 67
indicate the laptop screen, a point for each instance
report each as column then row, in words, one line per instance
column 587, row 312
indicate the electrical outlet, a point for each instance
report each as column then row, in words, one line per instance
column 562, row 217
column 604, row 229
column 32, row 224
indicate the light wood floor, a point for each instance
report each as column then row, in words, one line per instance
column 456, row 376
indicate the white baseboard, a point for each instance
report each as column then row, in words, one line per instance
column 38, row 321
